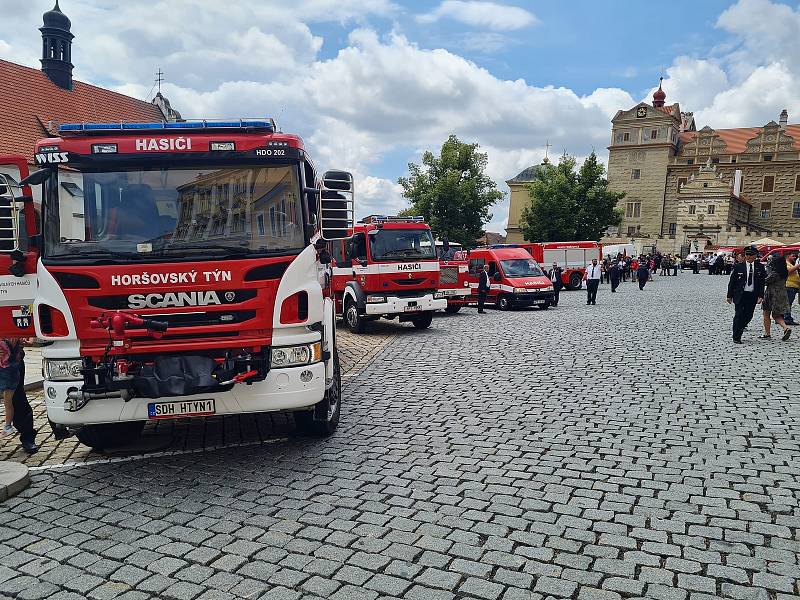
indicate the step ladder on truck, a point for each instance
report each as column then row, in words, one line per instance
column 179, row 270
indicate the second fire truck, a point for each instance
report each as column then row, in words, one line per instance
column 388, row 269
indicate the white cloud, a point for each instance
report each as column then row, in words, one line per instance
column 693, row 82
column 489, row 15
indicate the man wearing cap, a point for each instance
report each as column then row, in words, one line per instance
column 745, row 290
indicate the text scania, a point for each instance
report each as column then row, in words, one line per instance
column 162, row 278
column 159, row 144
column 171, row 299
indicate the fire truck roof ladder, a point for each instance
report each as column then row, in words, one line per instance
column 194, row 125
column 384, row 219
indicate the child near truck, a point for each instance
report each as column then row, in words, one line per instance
column 10, row 357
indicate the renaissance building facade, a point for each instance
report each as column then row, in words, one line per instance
column 688, row 189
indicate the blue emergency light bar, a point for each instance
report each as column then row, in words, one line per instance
column 384, row 219
column 198, row 125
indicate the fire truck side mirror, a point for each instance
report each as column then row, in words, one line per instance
column 36, row 178
column 336, row 205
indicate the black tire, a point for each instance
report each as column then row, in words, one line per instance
column 452, row 308
column 109, row 435
column 354, row 321
column 504, row 302
column 306, row 425
column 424, row 320
column 575, row 281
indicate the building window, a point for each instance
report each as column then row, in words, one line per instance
column 692, row 209
column 768, row 158
column 768, row 184
column 690, row 161
column 715, row 161
column 636, row 173
column 631, row 231
column 634, row 210
column 766, row 209
column 622, row 136
column 733, row 159
column 260, row 220
column 673, row 228
column 654, row 134
column 796, row 210
column 711, row 209
column 797, row 183
column 682, row 182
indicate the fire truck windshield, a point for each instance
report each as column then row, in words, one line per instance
column 401, row 244
column 186, row 212
column 521, row 267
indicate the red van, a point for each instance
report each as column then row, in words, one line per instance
column 517, row 279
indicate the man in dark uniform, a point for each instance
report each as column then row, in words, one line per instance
column 484, row 285
column 745, row 290
column 23, row 415
column 554, row 275
column 614, row 274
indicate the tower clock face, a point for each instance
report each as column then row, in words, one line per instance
column 641, row 112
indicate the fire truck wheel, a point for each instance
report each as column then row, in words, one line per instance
column 110, row 435
column 452, row 308
column 354, row 320
column 424, row 320
column 504, row 302
column 575, row 281
column 332, row 404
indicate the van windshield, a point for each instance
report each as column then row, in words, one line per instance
column 521, row 267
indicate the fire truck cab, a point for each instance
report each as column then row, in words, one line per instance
column 182, row 271
column 388, row 269
column 517, row 279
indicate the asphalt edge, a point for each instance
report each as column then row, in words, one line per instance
column 14, row 477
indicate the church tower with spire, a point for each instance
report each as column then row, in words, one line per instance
column 644, row 139
column 57, row 47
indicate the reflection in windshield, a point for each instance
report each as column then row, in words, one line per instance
column 521, row 267
column 399, row 244
column 175, row 212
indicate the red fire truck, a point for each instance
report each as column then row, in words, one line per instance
column 453, row 276
column 182, row 271
column 389, row 269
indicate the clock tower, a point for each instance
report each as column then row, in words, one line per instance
column 643, row 140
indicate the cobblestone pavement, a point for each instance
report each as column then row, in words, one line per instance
column 188, row 435
column 488, row 457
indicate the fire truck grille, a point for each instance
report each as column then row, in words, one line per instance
column 448, row 275
column 415, row 281
column 200, row 319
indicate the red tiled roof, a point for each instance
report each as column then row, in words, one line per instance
column 736, row 139
column 31, row 102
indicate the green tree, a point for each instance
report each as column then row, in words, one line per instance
column 569, row 205
column 595, row 205
column 452, row 191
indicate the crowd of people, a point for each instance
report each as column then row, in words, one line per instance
column 637, row 269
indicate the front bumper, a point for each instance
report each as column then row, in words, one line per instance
column 532, row 298
column 281, row 390
column 409, row 305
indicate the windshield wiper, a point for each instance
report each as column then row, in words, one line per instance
column 96, row 252
column 230, row 250
column 403, row 252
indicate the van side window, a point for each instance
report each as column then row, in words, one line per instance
column 476, row 266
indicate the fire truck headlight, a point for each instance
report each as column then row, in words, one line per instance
column 293, row 356
column 376, row 299
column 63, row 370
column 549, row 288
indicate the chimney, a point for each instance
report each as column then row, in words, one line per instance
column 783, row 120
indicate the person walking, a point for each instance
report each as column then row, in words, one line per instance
column 792, row 284
column 642, row 274
column 558, row 283
column 484, row 285
column 592, row 279
column 745, row 290
column 23, row 413
column 776, row 303
column 614, row 274
column 695, row 264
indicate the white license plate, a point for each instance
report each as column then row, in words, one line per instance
column 412, row 308
column 538, row 301
column 183, row 408
column 448, row 292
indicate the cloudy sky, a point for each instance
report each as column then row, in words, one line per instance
column 370, row 84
